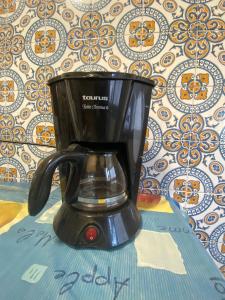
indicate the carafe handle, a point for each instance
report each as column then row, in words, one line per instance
column 41, row 183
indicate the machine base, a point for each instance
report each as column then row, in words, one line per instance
column 101, row 230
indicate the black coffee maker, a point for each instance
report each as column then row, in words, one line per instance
column 100, row 121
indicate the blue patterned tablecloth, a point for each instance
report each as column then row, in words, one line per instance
column 35, row 265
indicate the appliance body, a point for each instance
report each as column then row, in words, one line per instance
column 98, row 111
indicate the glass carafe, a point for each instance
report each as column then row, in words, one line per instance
column 102, row 184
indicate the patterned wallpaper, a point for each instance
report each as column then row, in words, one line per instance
column 179, row 44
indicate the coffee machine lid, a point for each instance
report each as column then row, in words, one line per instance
column 102, row 75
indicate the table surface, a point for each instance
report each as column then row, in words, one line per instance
column 166, row 260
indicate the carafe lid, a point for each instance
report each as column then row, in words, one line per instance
column 102, row 75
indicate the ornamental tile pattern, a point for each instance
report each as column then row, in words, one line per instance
column 179, row 44
column 199, row 28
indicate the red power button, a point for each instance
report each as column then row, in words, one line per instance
column 91, row 233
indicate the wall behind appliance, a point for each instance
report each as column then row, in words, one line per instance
column 179, row 44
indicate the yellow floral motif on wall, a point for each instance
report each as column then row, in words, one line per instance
column 44, row 8
column 38, row 91
column 142, row 3
column 9, row 131
column 7, row 6
column 11, row 45
column 7, row 91
column 194, row 87
column 45, row 41
column 146, row 145
column 223, row 245
column 190, row 140
column 197, row 31
column 8, row 174
column 45, row 135
column 186, row 189
column 141, row 33
column 91, row 37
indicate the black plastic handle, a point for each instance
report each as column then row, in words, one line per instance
column 41, row 183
